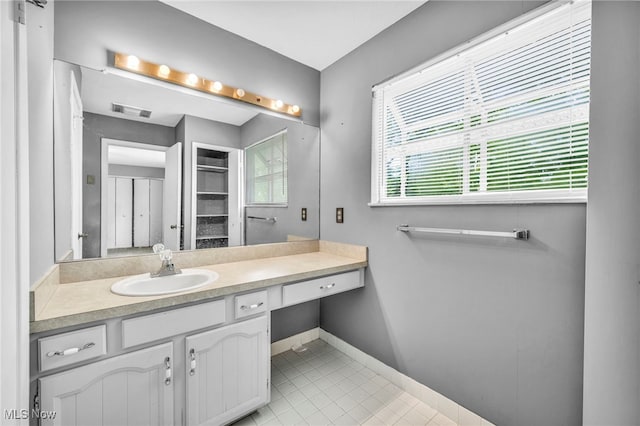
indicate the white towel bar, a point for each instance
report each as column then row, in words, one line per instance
column 518, row 234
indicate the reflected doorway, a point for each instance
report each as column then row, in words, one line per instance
column 140, row 198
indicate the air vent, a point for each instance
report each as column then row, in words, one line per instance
column 130, row 110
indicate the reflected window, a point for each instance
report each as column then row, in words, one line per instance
column 266, row 171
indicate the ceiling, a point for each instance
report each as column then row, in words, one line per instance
column 168, row 103
column 314, row 32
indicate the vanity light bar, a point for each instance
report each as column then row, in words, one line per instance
column 192, row 81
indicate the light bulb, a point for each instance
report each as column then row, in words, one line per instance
column 295, row 108
column 133, row 62
column 279, row 103
column 240, row 93
column 216, row 86
column 163, row 71
column 192, row 79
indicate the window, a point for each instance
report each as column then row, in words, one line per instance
column 505, row 120
column 266, row 165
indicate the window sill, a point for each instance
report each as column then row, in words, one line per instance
column 476, row 202
column 266, row 205
column 566, row 196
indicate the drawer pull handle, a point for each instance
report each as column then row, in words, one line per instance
column 167, row 371
column 251, row 307
column 70, row 351
column 322, row 287
column 192, row 365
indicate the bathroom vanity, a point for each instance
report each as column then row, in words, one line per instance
column 200, row 357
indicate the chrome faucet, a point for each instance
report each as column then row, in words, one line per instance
column 167, row 268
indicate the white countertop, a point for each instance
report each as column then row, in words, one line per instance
column 92, row 300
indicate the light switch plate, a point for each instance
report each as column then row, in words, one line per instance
column 303, row 214
column 340, row 215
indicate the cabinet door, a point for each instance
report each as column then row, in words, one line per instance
column 124, row 208
column 155, row 212
column 227, row 372
column 141, row 202
column 131, row 389
column 111, row 212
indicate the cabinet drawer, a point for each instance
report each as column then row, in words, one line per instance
column 251, row 304
column 320, row 287
column 69, row 348
column 148, row 328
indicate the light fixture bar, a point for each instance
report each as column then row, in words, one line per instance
column 164, row 73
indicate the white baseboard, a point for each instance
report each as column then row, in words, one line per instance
column 444, row 405
column 295, row 340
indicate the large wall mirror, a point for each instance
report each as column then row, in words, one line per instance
column 139, row 162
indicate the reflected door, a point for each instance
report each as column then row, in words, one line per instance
column 155, row 211
column 171, row 204
column 120, row 227
column 77, row 235
column 141, row 220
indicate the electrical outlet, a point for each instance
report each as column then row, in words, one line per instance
column 340, row 215
column 304, row 214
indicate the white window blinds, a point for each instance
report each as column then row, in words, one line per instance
column 505, row 120
column 266, row 171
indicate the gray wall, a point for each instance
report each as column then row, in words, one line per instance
column 612, row 299
column 95, row 128
column 180, row 130
column 85, row 30
column 495, row 325
column 40, row 97
column 303, row 168
column 198, row 129
column 289, row 321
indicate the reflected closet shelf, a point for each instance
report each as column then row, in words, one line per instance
column 211, row 193
column 211, row 237
column 215, row 169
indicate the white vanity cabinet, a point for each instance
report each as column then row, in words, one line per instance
column 131, row 389
column 227, row 372
column 217, row 352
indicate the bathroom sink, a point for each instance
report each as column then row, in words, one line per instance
column 145, row 285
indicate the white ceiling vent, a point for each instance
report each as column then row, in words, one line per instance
column 130, row 110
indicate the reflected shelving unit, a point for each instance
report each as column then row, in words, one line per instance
column 216, row 176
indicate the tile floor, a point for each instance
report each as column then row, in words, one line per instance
column 323, row 386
